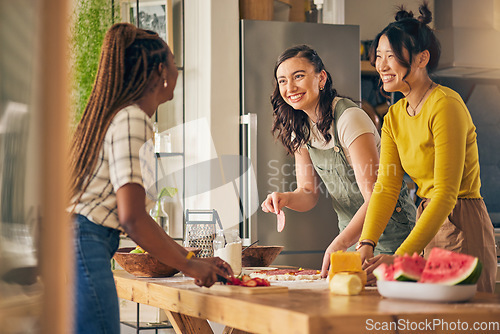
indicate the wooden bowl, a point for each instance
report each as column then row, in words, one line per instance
column 260, row 256
column 145, row 265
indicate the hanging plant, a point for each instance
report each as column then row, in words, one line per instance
column 91, row 20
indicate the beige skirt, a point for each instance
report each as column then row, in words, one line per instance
column 468, row 229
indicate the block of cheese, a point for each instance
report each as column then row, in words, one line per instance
column 347, row 284
column 344, row 261
column 360, row 274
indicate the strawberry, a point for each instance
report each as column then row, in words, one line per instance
column 250, row 283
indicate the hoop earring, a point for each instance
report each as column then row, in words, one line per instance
column 165, row 84
column 321, row 88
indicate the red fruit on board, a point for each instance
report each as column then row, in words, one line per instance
column 250, row 283
column 234, row 281
column 246, row 280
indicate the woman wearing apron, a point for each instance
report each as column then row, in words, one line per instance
column 332, row 139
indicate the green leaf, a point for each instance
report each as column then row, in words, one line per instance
column 167, row 191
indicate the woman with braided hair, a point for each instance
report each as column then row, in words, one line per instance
column 136, row 74
column 429, row 134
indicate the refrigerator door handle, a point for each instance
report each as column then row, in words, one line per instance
column 249, row 184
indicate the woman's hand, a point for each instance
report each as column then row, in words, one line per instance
column 205, row 270
column 372, row 263
column 274, row 202
column 336, row 245
column 366, row 252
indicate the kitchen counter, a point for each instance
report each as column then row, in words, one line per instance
column 305, row 308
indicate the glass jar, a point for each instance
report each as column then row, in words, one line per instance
column 160, row 215
column 227, row 246
column 219, row 243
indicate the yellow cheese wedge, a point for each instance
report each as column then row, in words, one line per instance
column 346, row 284
column 344, row 261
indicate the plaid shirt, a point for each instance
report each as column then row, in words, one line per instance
column 126, row 149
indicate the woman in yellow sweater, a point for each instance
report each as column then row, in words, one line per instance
column 428, row 134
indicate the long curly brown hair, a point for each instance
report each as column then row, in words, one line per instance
column 129, row 58
column 287, row 120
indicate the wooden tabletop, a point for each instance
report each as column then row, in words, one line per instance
column 305, row 308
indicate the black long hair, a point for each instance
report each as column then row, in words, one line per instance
column 287, row 120
column 411, row 34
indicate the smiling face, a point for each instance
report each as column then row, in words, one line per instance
column 391, row 72
column 299, row 84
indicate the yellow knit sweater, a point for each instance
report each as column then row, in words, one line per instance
column 438, row 149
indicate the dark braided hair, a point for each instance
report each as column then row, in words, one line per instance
column 129, row 58
column 411, row 34
column 288, row 120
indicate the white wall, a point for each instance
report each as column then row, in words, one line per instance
column 372, row 16
column 212, row 98
column 463, row 28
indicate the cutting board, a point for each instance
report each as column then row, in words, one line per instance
column 248, row 290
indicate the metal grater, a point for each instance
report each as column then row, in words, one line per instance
column 200, row 233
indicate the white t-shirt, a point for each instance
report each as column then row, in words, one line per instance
column 351, row 124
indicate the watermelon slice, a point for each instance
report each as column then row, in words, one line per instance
column 408, row 268
column 450, row 268
column 384, row 272
column 404, row 268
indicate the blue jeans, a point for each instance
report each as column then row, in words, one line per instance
column 96, row 304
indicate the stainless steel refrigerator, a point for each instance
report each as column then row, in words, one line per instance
column 307, row 234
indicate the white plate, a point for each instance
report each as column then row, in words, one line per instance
column 425, row 291
column 249, row 270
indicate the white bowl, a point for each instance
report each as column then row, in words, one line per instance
column 426, row 291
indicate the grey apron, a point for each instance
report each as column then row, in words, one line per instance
column 338, row 176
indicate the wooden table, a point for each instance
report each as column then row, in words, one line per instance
column 305, row 309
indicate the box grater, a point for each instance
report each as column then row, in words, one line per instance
column 201, row 228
